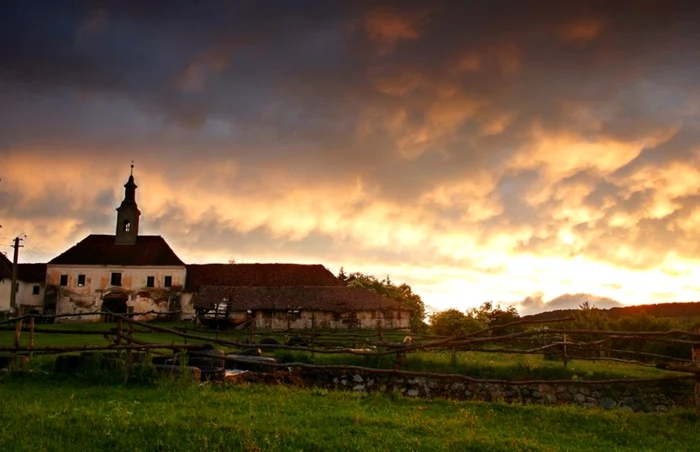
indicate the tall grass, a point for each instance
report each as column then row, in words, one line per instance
column 172, row 416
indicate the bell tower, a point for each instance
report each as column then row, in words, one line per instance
column 128, row 214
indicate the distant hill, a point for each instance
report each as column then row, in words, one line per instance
column 686, row 309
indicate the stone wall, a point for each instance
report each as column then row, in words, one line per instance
column 627, row 396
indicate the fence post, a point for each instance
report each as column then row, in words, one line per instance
column 18, row 330
column 313, row 332
column 129, row 356
column 566, row 358
column 251, row 328
column 31, row 336
column 696, row 365
column 119, row 330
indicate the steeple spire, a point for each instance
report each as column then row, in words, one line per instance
column 128, row 214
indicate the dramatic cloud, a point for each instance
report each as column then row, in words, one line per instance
column 536, row 303
column 478, row 152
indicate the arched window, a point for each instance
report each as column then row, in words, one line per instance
column 127, row 226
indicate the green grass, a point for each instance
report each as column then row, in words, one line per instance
column 489, row 365
column 77, row 340
column 173, row 416
column 95, row 411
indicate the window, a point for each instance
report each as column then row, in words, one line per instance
column 35, row 290
column 168, row 281
column 116, row 279
column 150, row 281
column 81, row 280
column 64, row 280
column 127, row 226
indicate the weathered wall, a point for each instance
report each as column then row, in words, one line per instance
column 5, row 288
column 74, row 299
column 322, row 319
column 627, row 396
column 187, row 306
column 137, row 301
column 98, row 278
column 25, row 296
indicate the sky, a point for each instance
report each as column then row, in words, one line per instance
column 537, row 153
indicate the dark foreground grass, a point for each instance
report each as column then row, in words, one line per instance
column 172, row 416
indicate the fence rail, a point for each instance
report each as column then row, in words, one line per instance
column 561, row 342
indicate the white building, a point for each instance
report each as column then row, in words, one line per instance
column 121, row 273
column 127, row 272
column 30, row 286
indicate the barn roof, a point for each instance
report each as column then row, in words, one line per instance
column 318, row 298
column 275, row 275
column 25, row 272
column 98, row 249
column 32, row 273
column 5, row 267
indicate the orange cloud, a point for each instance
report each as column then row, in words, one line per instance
column 387, row 28
column 582, row 30
column 207, row 65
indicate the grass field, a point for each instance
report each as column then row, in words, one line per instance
column 42, row 411
column 36, row 414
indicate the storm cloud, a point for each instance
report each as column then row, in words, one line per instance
column 476, row 151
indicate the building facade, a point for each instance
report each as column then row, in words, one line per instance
column 120, row 273
column 128, row 272
column 30, row 286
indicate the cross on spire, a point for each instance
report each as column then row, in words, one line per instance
column 132, row 167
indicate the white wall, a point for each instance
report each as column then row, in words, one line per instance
column 74, row 299
column 187, row 306
column 5, row 294
column 323, row 319
column 98, row 278
column 25, row 295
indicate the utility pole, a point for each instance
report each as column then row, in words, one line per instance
column 13, row 286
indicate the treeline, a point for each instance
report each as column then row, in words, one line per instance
column 674, row 310
column 453, row 322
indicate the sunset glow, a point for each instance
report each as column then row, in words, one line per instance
column 512, row 153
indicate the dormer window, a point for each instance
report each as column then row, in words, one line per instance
column 127, row 226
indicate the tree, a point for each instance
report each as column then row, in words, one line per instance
column 386, row 288
column 589, row 317
column 452, row 322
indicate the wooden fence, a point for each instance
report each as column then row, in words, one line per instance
column 566, row 344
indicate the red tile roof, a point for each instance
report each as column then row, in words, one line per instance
column 318, row 298
column 5, row 267
column 32, row 273
column 97, row 249
column 258, row 275
column 25, row 272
